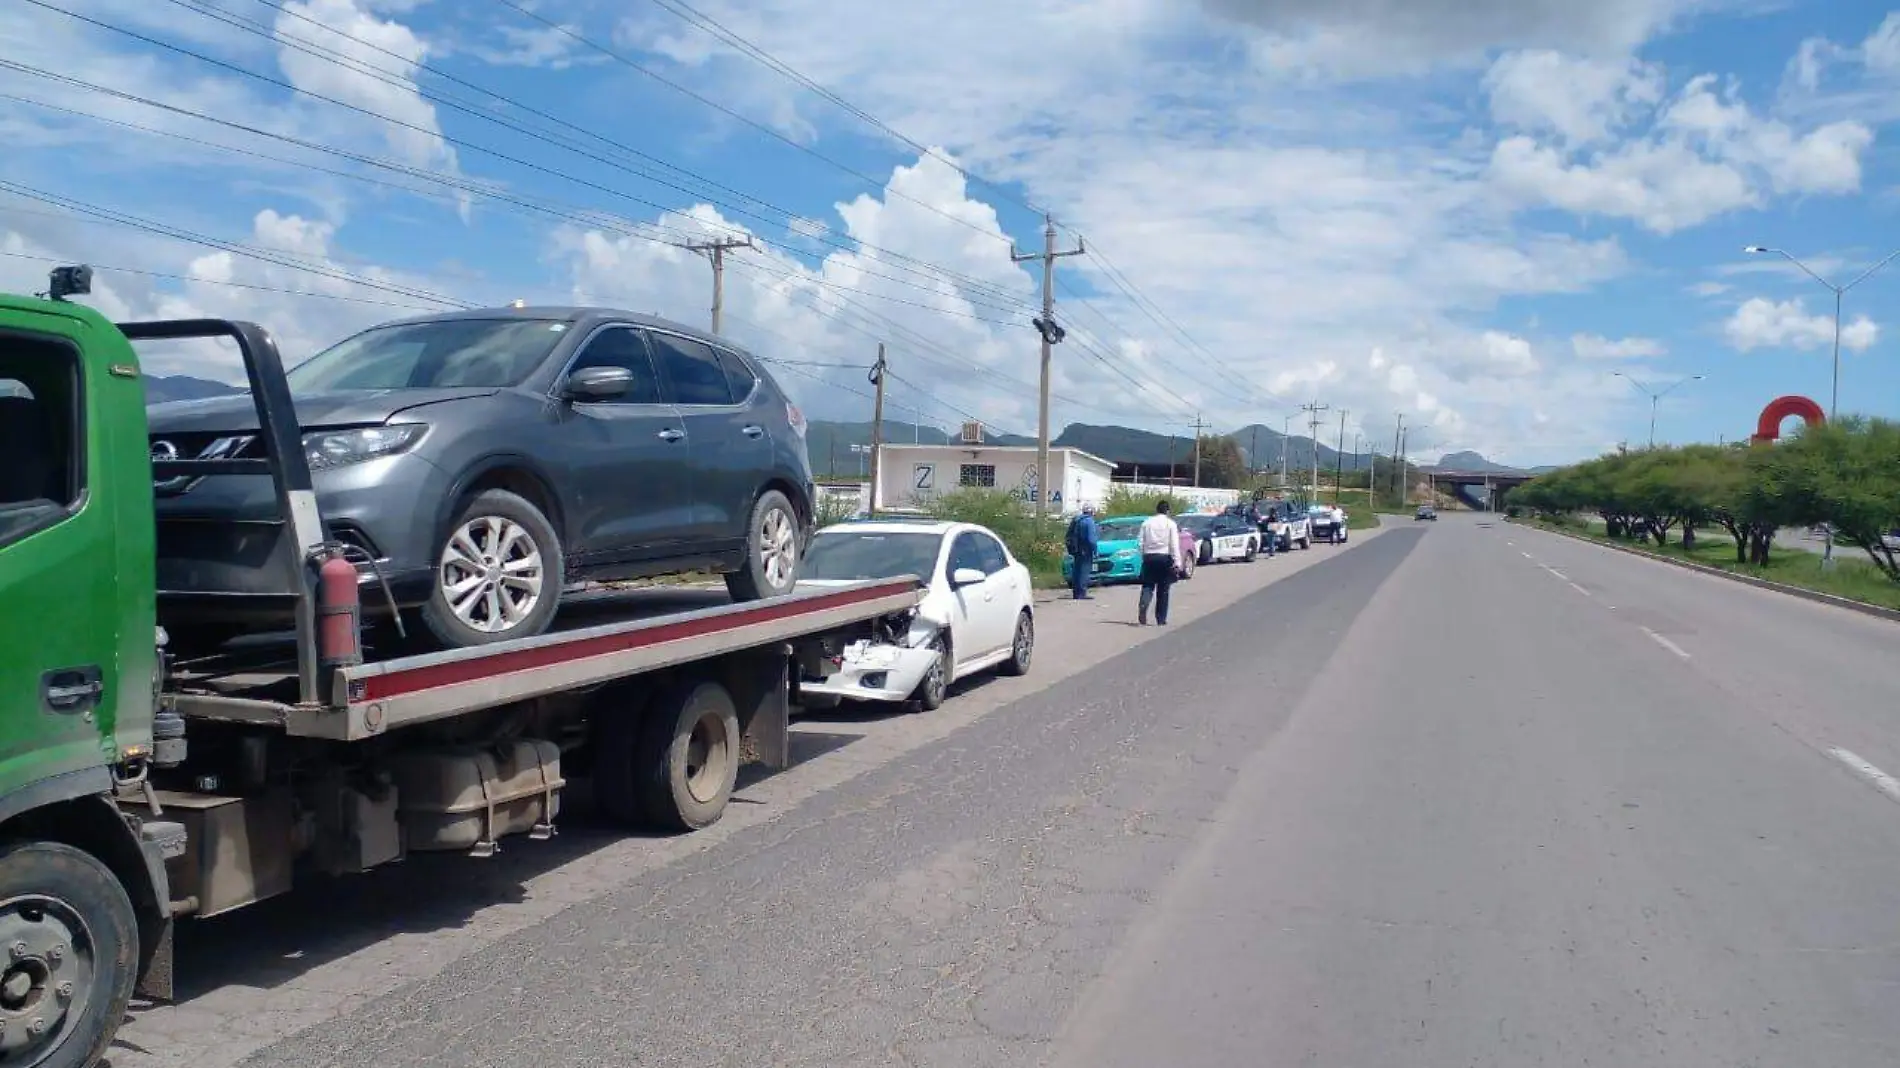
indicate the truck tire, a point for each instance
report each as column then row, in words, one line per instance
column 75, row 976
column 517, row 594
column 688, row 757
column 772, row 550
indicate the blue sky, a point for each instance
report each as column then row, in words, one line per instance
column 1472, row 212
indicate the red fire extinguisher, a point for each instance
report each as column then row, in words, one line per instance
column 339, row 613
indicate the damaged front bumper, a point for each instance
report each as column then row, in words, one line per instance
column 873, row 671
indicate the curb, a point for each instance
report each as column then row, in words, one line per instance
column 1878, row 611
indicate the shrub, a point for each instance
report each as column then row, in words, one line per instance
column 1037, row 543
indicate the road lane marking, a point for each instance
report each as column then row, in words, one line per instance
column 1555, row 572
column 1882, row 781
column 1527, row 556
column 1667, row 644
column 1581, row 590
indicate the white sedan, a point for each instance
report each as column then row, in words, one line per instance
column 976, row 612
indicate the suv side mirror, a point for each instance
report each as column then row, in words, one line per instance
column 966, row 576
column 597, row 384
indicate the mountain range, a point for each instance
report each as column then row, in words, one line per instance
column 830, row 441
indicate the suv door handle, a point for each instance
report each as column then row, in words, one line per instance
column 754, row 430
column 669, row 434
column 69, row 690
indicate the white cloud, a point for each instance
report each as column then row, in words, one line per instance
column 1581, row 100
column 1706, row 154
column 1380, row 38
column 1709, row 289
column 1881, row 50
column 1764, row 323
column 369, row 44
column 1598, row 347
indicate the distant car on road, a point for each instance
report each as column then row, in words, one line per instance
column 1287, row 523
column 1117, row 551
column 976, row 613
column 1426, row 511
column 1222, row 537
column 1328, row 523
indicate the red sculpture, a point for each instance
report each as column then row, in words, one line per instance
column 1769, row 427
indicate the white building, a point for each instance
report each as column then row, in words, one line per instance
column 910, row 475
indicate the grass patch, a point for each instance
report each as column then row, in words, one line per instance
column 1853, row 579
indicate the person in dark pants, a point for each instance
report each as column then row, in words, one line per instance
column 1160, row 541
column 1083, row 539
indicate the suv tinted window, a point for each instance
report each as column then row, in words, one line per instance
column 39, row 435
column 692, row 370
column 622, row 346
column 990, row 551
column 739, row 376
column 444, row 352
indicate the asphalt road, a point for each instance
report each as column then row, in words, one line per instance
column 1459, row 794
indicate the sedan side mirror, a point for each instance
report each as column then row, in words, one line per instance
column 597, row 384
column 966, row 576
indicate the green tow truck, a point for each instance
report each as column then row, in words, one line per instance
column 306, row 757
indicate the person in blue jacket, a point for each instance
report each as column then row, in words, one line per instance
column 1083, row 537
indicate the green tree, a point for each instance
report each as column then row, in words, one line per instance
column 1847, row 474
column 1222, row 465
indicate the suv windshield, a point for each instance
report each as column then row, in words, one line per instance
column 449, row 352
column 870, row 554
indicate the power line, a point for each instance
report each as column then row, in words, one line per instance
column 579, row 215
column 397, row 78
column 112, row 269
column 463, row 142
column 264, row 255
column 729, row 112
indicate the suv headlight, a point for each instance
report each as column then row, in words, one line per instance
column 339, row 448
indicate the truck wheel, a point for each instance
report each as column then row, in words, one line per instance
column 498, row 573
column 771, row 551
column 1022, row 648
column 72, row 956
column 688, row 758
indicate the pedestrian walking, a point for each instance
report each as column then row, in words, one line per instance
column 1160, row 541
column 1081, row 541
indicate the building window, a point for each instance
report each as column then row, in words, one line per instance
column 977, row 475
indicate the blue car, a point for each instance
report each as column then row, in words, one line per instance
column 1117, row 551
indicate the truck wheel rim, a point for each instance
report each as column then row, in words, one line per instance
column 47, row 979
column 778, row 549
column 491, row 574
column 706, row 757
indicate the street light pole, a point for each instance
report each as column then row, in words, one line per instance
column 1834, row 398
column 1655, row 396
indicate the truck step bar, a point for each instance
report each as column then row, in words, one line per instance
column 368, row 699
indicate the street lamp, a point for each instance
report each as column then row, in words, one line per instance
column 1655, row 396
column 1834, row 398
column 1405, row 452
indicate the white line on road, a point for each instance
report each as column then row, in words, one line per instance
column 1882, row 781
column 1667, row 644
column 1555, row 572
column 1527, row 556
column 1581, row 590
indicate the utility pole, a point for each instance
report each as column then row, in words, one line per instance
column 1052, row 334
column 1286, row 431
column 716, row 250
column 1198, row 427
column 877, row 427
column 1312, row 411
column 1398, row 436
column 1253, row 457
column 1339, row 456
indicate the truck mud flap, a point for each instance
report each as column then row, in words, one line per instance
column 155, row 979
column 758, row 682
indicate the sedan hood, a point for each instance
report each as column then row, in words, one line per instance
column 339, row 408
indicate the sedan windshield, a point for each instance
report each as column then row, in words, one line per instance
column 493, row 353
column 870, row 554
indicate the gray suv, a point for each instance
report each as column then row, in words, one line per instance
column 479, row 462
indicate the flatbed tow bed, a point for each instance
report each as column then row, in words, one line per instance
column 372, row 698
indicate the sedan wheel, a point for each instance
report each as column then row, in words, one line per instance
column 936, row 685
column 1022, row 647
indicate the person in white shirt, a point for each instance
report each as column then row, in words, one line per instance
column 1160, row 541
